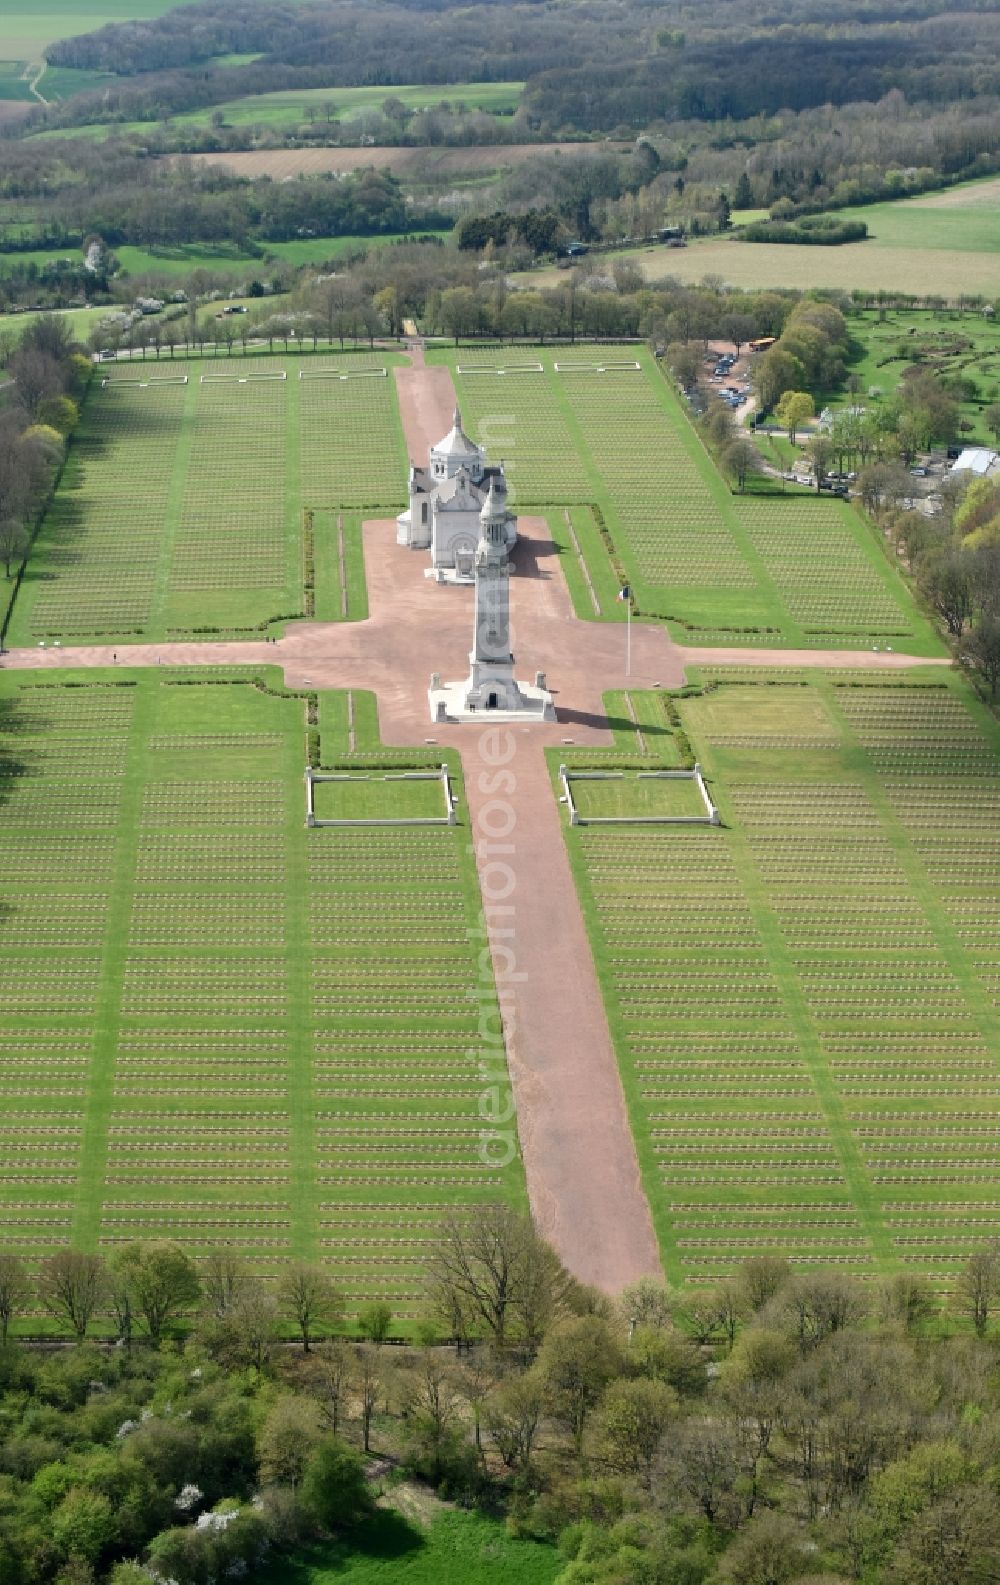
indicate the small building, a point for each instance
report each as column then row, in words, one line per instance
column 979, row 461
column 446, row 501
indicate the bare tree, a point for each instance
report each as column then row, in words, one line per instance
column 496, row 1269
column 306, row 1293
column 512, row 1417
column 978, row 1285
column 329, row 1377
column 72, row 1286
column 741, row 459
column 369, row 1384
column 223, row 1279
column 15, row 1289
column 761, row 1277
column 13, row 542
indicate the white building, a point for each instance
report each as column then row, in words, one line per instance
column 978, row 460
column 446, row 500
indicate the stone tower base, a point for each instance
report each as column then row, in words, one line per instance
column 457, row 701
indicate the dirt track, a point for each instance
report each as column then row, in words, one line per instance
column 579, row 1156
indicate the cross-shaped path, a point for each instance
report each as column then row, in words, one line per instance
column 579, row 1156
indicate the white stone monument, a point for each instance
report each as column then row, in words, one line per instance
column 491, row 685
column 445, row 502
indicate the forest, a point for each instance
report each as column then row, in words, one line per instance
column 620, row 66
column 775, row 1429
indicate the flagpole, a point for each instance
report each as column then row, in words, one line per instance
column 628, row 637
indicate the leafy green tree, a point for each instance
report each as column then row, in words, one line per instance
column 374, row 1320
column 792, row 411
column 83, row 1525
column 288, row 1439
column 775, row 372
column 60, row 413
column 334, row 1492
column 161, row 1282
column 576, row 1361
column 770, row 1550
column 634, row 1420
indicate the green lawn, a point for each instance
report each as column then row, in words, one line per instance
column 378, row 795
column 81, row 320
column 637, row 797
column 950, row 343
column 612, row 456
column 214, row 545
column 456, row 1549
column 804, row 1003
column 219, row 1025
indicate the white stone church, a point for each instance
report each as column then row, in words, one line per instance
column 446, row 504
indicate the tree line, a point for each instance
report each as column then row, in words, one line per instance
column 46, row 379
column 614, row 68
column 778, row 1427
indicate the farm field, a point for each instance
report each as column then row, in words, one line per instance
column 871, row 266
column 284, row 110
column 419, row 164
column 940, row 244
column 14, row 85
column 242, row 263
column 25, row 31
column 805, row 1002
column 229, row 461
column 722, row 569
column 217, row 1024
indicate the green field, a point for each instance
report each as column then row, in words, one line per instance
column 456, row 1549
column 223, row 258
column 282, row 111
column 949, row 343
column 25, row 32
column 13, row 82
column 804, row 1003
column 943, row 244
column 214, row 543
column 796, row 570
column 217, row 1024
column 81, row 321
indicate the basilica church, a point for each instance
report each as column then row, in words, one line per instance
column 446, row 505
